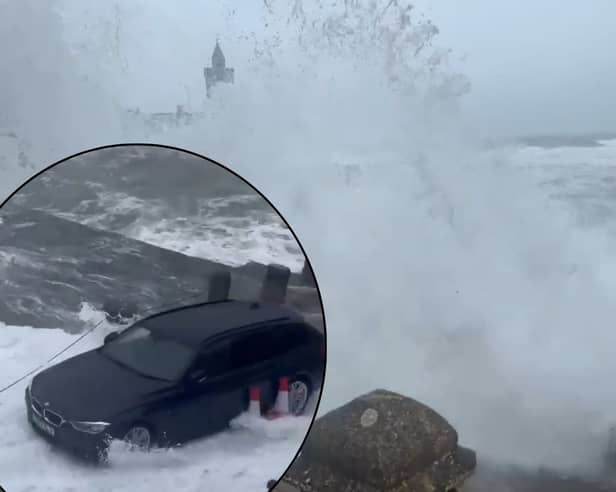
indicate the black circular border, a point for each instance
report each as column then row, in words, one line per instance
column 195, row 154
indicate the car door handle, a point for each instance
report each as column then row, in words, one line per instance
column 261, row 373
column 248, row 376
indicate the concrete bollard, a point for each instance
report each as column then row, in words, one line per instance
column 275, row 283
column 219, row 286
column 307, row 275
column 119, row 312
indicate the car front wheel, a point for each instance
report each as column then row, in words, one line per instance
column 139, row 437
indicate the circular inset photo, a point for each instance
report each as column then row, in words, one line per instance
column 160, row 327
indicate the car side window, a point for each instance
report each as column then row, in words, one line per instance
column 214, row 360
column 292, row 336
column 251, row 348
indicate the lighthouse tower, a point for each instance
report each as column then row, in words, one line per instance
column 218, row 72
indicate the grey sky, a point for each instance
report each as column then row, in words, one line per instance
column 544, row 66
column 536, row 66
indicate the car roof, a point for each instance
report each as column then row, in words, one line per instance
column 196, row 323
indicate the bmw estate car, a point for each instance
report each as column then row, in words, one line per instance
column 176, row 376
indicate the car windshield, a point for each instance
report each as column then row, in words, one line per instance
column 141, row 350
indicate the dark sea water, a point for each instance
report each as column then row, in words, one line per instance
column 168, row 198
column 147, row 225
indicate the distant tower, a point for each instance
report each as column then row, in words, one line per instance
column 218, row 72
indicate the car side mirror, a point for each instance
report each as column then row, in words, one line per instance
column 111, row 336
column 198, row 376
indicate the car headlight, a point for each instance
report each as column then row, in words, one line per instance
column 90, row 427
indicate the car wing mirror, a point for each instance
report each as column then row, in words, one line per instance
column 198, row 376
column 111, row 336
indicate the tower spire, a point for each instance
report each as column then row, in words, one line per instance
column 218, row 72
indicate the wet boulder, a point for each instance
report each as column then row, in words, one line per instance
column 381, row 442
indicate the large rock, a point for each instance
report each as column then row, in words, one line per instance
column 381, row 442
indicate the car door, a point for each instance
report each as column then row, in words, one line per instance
column 209, row 395
column 222, row 375
column 253, row 361
column 297, row 349
column 220, row 378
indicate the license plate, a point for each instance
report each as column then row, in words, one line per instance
column 44, row 426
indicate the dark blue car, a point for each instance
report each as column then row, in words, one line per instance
column 176, row 376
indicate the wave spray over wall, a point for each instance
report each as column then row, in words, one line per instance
column 446, row 273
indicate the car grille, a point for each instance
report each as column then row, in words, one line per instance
column 53, row 418
column 50, row 416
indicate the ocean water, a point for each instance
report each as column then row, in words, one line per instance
column 168, row 198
